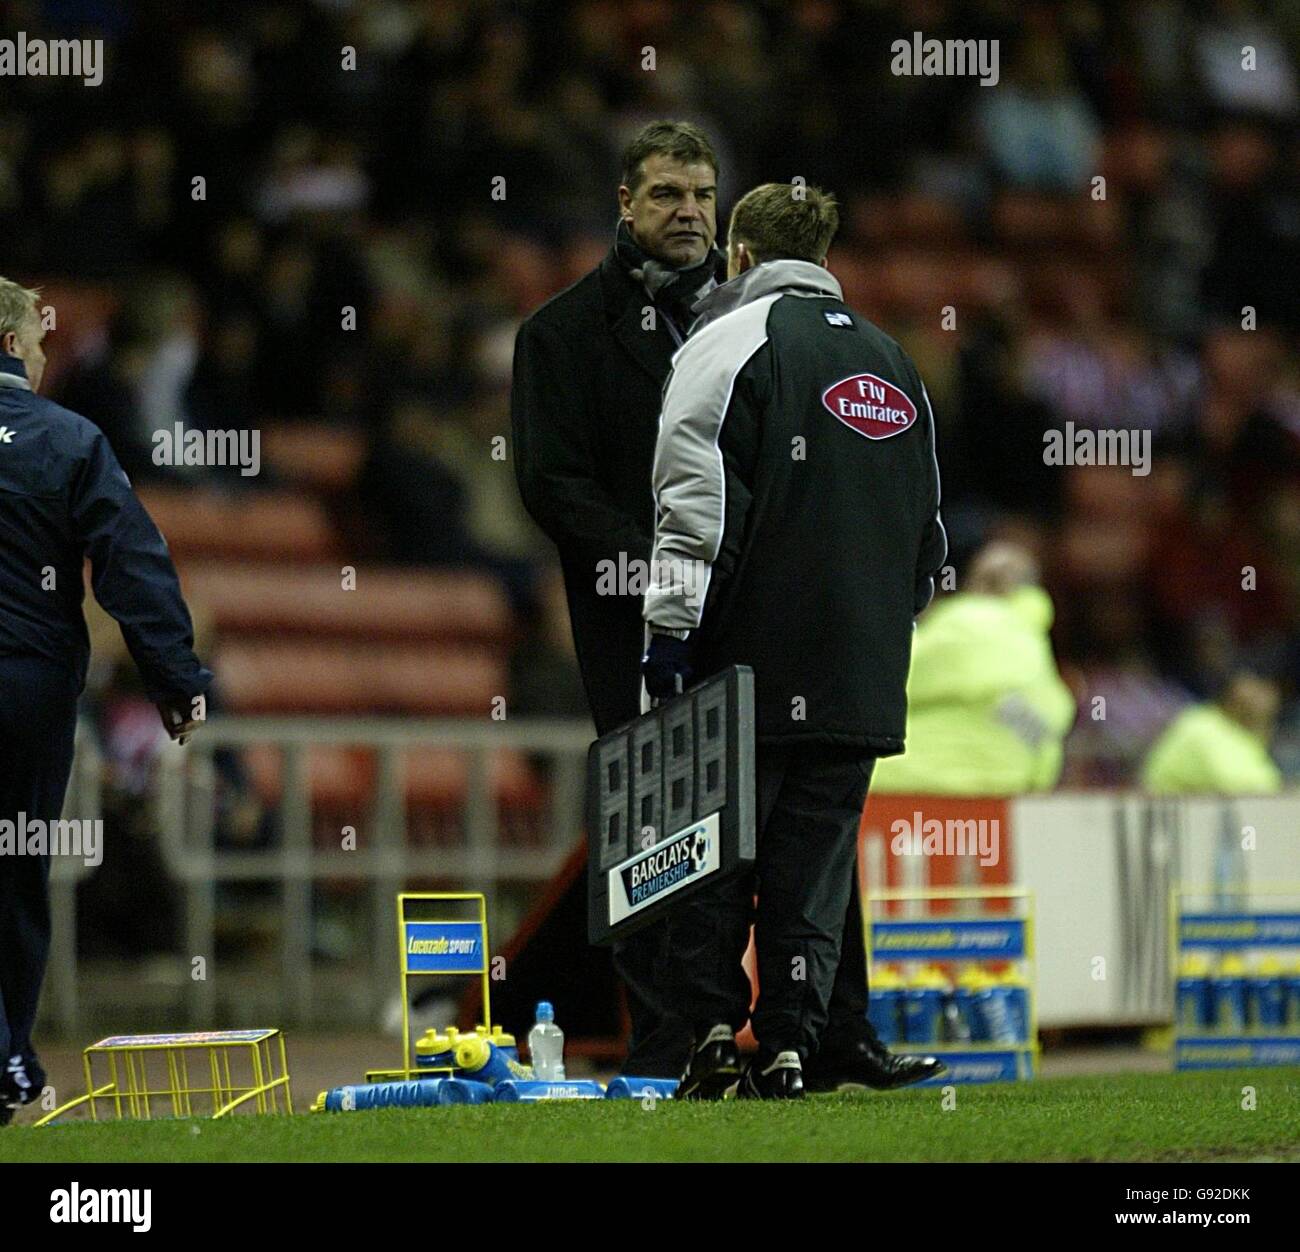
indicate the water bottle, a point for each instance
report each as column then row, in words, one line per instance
column 480, row 1058
column 885, row 1006
column 1268, row 993
column 530, row 1092
column 1292, row 1015
column 623, row 1088
column 1194, row 996
column 438, row 1052
column 546, row 1045
column 970, row 982
column 923, row 1006
column 1016, row 991
column 1229, row 988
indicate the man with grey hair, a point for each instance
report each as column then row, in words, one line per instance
column 63, row 498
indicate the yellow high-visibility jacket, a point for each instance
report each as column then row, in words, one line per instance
column 987, row 710
column 1204, row 751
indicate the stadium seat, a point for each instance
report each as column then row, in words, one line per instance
column 314, row 454
column 913, row 217
column 1022, row 219
column 262, row 524
column 342, row 777
column 301, row 676
column 251, row 599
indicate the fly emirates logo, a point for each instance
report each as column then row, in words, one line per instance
column 870, row 405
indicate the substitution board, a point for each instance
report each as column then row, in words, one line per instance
column 670, row 804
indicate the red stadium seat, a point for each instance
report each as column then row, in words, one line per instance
column 303, row 676
column 264, row 524
column 343, row 778
column 1075, row 222
column 322, row 457
column 913, row 217
column 249, row 599
column 341, row 782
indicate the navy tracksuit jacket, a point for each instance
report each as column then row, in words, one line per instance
column 63, row 498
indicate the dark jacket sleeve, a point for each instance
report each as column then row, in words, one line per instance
column 555, row 457
column 934, row 540
column 133, row 576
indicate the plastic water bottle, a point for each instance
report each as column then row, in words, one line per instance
column 480, row 1058
column 546, row 1045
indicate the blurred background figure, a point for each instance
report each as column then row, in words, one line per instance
column 987, row 709
column 1221, row 747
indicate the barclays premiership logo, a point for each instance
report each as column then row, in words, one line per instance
column 657, row 872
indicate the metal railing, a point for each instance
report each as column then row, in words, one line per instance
column 186, row 797
column 83, row 800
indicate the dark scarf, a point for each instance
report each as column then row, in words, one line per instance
column 673, row 290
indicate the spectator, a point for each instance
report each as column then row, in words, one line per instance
column 987, row 710
column 1219, row 748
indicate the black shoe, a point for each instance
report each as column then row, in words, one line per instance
column 768, row 1077
column 714, row 1066
column 867, row 1063
column 23, row 1080
column 6, row 1115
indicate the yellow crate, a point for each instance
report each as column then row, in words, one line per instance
column 243, row 1068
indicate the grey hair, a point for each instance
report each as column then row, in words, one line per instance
column 17, row 304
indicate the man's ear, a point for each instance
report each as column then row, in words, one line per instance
column 624, row 202
column 8, row 342
column 825, row 262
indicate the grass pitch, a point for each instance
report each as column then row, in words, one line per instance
column 1130, row 1117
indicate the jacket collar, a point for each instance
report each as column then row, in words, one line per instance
column 787, row 278
column 625, row 300
column 13, row 373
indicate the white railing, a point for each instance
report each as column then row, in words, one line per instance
column 1101, row 862
column 185, row 800
column 60, row 999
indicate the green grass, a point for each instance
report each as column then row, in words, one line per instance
column 1132, row 1117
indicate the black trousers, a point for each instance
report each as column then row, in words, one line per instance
column 38, row 721
column 812, row 973
column 660, row 1042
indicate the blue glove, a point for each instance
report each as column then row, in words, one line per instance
column 666, row 666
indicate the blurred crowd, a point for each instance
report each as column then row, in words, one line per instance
column 240, row 183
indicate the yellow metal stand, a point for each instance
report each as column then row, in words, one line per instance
column 438, row 947
column 134, row 1062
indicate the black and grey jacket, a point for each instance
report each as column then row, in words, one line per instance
column 797, row 505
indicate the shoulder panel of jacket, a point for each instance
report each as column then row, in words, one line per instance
column 689, row 478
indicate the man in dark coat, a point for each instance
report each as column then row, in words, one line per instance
column 589, row 370
column 63, row 499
